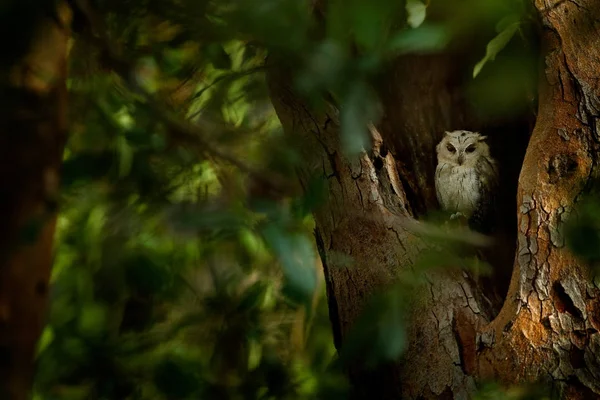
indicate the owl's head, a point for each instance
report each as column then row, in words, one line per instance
column 462, row 148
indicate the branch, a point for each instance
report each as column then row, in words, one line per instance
column 180, row 129
column 233, row 75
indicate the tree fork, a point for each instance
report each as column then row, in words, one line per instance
column 548, row 327
column 33, row 130
column 365, row 217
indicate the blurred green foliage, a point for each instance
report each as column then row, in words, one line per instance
column 580, row 227
column 494, row 391
column 178, row 274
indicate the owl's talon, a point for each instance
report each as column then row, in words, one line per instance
column 457, row 215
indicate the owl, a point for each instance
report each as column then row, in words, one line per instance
column 466, row 178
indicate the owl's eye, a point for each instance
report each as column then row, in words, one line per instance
column 450, row 148
column 470, row 149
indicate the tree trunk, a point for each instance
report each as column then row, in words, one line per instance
column 32, row 133
column 547, row 329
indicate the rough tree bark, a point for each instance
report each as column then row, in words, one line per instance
column 32, row 133
column 548, row 327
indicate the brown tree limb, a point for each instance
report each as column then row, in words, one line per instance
column 33, row 129
column 550, row 318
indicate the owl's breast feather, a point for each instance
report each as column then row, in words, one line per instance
column 458, row 188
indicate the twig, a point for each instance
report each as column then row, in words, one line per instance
column 191, row 134
column 233, row 75
column 182, row 129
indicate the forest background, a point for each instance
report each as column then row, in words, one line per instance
column 184, row 261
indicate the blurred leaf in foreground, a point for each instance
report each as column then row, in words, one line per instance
column 496, row 45
column 379, row 334
column 297, row 258
column 582, row 230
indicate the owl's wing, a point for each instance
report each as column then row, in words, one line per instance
column 482, row 219
column 438, row 172
column 441, row 181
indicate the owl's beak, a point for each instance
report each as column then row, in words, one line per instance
column 461, row 158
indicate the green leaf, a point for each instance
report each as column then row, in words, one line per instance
column 254, row 354
column 584, row 241
column 392, row 334
column 424, row 39
column 124, row 119
column 93, row 319
column 252, row 244
column 369, row 21
column 94, row 229
column 84, row 283
column 507, row 21
column 158, row 142
column 217, row 56
column 416, row 11
column 125, row 156
column 495, row 46
column 269, row 300
column 324, row 67
column 379, row 334
column 297, row 257
column 74, row 347
column 45, row 340
column 315, row 195
column 63, row 311
column 357, row 111
column 582, row 229
column 209, row 218
column 146, row 74
column 253, row 297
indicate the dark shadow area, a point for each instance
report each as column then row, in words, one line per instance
column 504, row 98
